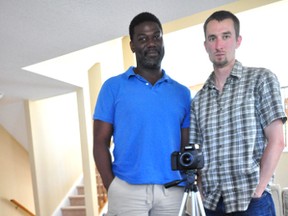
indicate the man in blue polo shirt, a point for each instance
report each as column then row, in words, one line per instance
column 147, row 115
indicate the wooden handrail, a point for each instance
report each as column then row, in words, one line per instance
column 22, row 207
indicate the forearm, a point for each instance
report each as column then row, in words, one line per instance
column 102, row 157
column 103, row 162
column 268, row 165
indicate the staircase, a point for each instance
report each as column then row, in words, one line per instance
column 77, row 202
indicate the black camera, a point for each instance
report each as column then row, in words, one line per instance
column 190, row 159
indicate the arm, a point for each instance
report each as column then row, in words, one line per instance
column 101, row 142
column 272, row 153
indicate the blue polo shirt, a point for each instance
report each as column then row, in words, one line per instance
column 147, row 121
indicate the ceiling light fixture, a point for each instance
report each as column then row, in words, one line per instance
column 1, row 95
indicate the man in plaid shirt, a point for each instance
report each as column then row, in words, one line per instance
column 237, row 118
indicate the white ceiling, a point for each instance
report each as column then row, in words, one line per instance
column 35, row 31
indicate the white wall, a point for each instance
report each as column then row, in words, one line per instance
column 13, row 119
column 264, row 32
column 72, row 68
column 15, row 172
column 55, row 153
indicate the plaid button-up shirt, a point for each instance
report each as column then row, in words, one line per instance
column 229, row 127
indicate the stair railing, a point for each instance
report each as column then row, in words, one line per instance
column 19, row 205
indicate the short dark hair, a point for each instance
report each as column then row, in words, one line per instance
column 140, row 18
column 222, row 15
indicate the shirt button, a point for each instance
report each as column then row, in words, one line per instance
column 147, row 84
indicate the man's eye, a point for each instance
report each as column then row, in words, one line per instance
column 225, row 37
column 158, row 37
column 211, row 39
column 142, row 39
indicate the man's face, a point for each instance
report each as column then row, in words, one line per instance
column 221, row 42
column 147, row 43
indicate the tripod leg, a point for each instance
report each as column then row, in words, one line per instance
column 184, row 199
column 200, row 204
column 195, row 209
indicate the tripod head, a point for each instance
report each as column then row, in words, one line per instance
column 196, row 205
column 189, row 179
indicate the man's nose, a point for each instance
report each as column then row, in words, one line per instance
column 151, row 41
column 218, row 43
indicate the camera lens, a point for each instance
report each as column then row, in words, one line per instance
column 186, row 159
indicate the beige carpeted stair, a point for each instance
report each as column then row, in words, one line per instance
column 77, row 202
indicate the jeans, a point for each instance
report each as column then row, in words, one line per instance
column 263, row 206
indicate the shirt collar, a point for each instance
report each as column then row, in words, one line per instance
column 236, row 72
column 130, row 73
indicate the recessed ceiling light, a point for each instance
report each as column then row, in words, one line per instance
column 1, row 95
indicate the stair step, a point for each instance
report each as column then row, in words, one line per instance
column 74, row 211
column 80, row 190
column 77, row 200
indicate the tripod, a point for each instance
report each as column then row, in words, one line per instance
column 191, row 189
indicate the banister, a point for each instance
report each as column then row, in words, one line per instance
column 22, row 207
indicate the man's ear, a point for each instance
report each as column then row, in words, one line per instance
column 132, row 46
column 239, row 40
column 205, row 46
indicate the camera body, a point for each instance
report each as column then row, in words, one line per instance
column 189, row 159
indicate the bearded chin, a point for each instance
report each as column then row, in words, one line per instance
column 220, row 64
column 153, row 65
